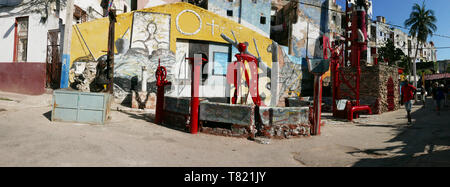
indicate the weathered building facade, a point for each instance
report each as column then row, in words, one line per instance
column 381, row 32
column 254, row 14
column 32, row 32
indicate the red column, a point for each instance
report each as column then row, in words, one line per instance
column 161, row 81
column 195, row 84
column 159, row 104
column 317, row 104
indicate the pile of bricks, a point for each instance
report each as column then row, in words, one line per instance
column 238, row 131
column 285, row 131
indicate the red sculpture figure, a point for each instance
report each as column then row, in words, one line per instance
column 358, row 47
column 253, row 83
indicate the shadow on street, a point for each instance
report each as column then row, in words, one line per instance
column 426, row 143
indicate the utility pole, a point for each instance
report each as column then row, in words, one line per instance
column 110, row 56
column 66, row 48
column 107, row 4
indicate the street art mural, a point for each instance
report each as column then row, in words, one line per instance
column 149, row 45
column 290, row 74
column 164, row 33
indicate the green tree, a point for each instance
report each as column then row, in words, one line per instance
column 390, row 53
column 422, row 24
column 405, row 64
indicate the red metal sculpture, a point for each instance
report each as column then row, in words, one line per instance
column 358, row 47
column 233, row 74
column 317, row 68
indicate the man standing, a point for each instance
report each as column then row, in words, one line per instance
column 439, row 97
column 424, row 95
column 408, row 95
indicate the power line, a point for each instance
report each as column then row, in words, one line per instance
column 394, row 25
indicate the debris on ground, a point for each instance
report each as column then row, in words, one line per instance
column 5, row 99
column 262, row 140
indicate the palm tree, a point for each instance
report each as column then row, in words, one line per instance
column 422, row 23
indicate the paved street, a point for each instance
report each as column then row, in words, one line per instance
column 29, row 138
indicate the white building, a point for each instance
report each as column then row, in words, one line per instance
column 32, row 30
column 381, row 32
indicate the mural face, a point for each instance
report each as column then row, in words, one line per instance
column 150, row 32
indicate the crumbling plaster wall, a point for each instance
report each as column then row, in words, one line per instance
column 248, row 13
column 315, row 18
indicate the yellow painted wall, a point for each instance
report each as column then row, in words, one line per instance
column 189, row 22
column 95, row 35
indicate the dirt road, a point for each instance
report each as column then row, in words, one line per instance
column 29, row 138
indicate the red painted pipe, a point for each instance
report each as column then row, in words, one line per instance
column 195, row 85
column 358, row 108
column 161, row 81
column 317, row 104
column 159, row 105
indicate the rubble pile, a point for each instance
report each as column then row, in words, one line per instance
column 84, row 75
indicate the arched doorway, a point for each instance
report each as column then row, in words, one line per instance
column 390, row 94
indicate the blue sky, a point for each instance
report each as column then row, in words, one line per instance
column 397, row 11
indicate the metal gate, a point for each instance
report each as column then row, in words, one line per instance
column 53, row 63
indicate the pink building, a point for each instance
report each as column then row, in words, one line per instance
column 151, row 3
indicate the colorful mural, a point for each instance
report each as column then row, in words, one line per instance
column 167, row 33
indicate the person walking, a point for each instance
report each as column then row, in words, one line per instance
column 408, row 94
column 445, row 89
column 439, row 97
column 434, row 88
column 424, row 95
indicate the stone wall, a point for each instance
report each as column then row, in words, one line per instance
column 373, row 86
column 283, row 122
column 238, row 120
column 387, row 72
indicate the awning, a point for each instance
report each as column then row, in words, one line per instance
column 437, row 76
